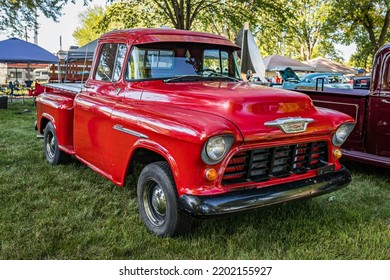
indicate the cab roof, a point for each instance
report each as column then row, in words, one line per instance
column 155, row 35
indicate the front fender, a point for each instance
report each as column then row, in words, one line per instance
column 177, row 135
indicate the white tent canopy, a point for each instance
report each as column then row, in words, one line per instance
column 278, row 62
column 321, row 64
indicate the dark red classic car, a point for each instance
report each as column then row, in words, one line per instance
column 209, row 143
column 369, row 142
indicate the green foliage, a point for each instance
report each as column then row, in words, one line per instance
column 308, row 28
column 366, row 23
column 183, row 13
column 326, row 48
column 312, row 27
column 15, row 15
column 89, row 29
column 131, row 14
column 71, row 212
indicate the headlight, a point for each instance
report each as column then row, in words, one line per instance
column 216, row 148
column 342, row 133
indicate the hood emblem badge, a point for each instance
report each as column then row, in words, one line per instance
column 290, row 125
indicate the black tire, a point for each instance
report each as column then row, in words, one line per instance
column 53, row 153
column 157, row 201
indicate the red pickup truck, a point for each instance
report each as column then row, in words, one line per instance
column 369, row 142
column 209, row 143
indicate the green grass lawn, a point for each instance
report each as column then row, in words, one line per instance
column 71, row 212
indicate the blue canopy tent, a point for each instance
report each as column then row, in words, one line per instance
column 18, row 51
column 14, row 50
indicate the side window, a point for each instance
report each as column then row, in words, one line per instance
column 110, row 63
column 120, row 58
column 386, row 84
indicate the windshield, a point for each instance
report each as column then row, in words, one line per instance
column 170, row 60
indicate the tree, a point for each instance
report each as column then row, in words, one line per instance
column 16, row 15
column 309, row 27
column 131, row 14
column 181, row 13
column 363, row 57
column 365, row 22
column 305, row 24
column 217, row 15
column 89, row 29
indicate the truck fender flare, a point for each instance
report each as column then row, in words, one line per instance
column 47, row 117
column 156, row 148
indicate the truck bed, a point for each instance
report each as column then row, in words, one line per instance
column 353, row 102
column 341, row 92
column 68, row 87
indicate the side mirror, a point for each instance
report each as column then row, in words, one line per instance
column 104, row 71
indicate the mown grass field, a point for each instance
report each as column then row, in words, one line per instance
column 70, row 212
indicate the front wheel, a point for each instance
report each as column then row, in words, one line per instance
column 53, row 153
column 157, row 201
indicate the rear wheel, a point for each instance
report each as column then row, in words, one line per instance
column 157, row 201
column 53, row 153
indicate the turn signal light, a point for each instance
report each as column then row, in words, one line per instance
column 211, row 174
column 337, row 153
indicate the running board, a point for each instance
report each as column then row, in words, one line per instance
column 382, row 161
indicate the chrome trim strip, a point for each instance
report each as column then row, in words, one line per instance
column 129, row 131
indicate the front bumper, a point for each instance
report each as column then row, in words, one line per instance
column 255, row 198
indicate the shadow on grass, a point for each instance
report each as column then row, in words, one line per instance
column 369, row 170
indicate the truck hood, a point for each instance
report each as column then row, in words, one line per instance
column 248, row 106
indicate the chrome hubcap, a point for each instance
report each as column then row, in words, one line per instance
column 158, row 201
column 155, row 203
column 50, row 145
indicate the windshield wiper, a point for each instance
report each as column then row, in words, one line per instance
column 222, row 76
column 184, row 78
column 212, row 76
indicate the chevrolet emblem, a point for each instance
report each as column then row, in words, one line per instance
column 290, row 125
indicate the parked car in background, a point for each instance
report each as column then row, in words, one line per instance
column 314, row 80
column 41, row 75
column 362, row 82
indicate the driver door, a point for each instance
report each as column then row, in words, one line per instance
column 94, row 106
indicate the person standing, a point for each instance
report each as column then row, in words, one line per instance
column 11, row 87
column 278, row 80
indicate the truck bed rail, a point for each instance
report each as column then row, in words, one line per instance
column 71, row 87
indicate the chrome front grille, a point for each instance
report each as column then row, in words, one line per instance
column 259, row 165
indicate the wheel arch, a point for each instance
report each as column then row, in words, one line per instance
column 45, row 119
column 146, row 152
